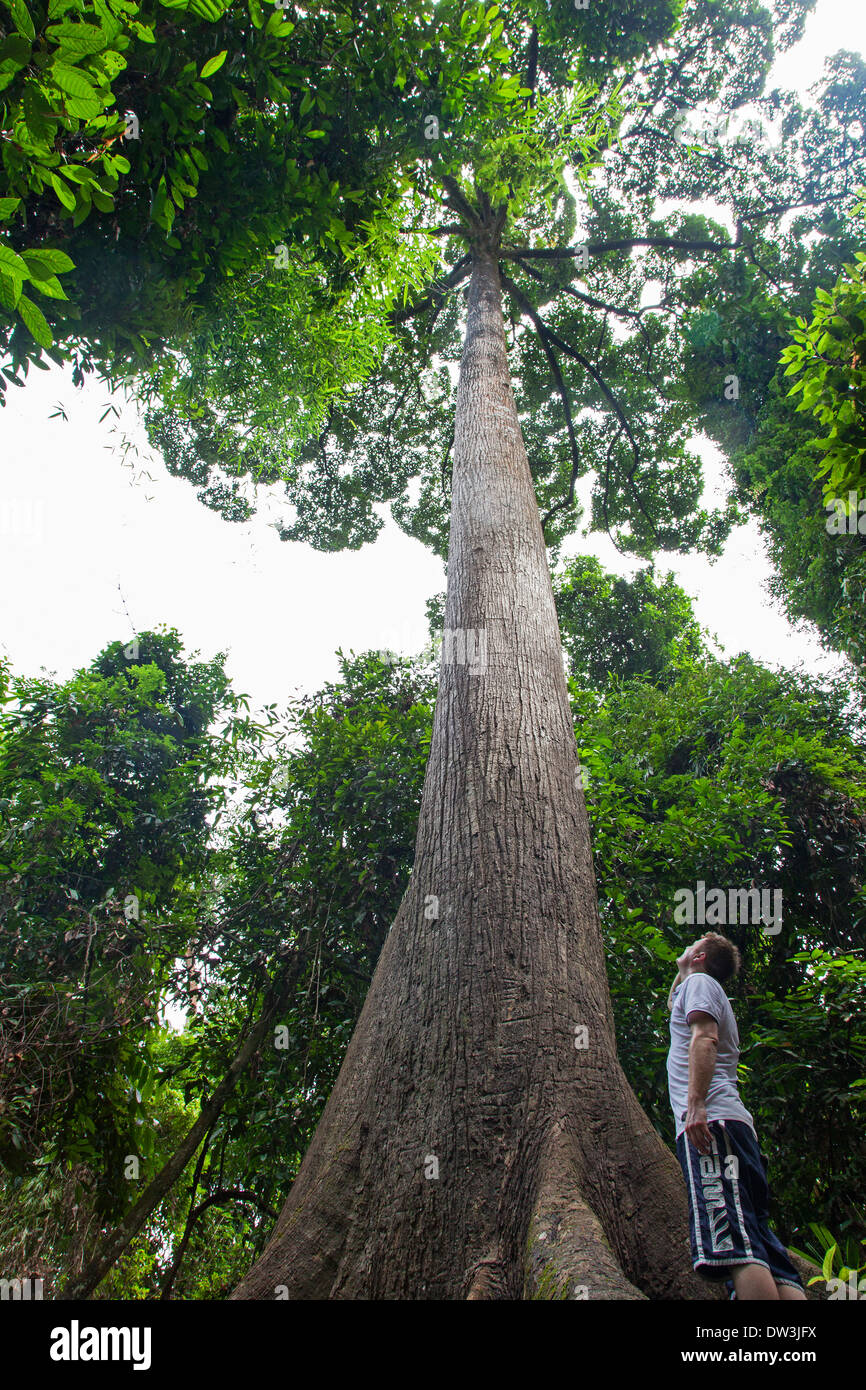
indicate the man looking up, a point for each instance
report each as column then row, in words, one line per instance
column 725, row 1172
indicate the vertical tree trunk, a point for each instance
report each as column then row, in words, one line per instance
column 469, row 1059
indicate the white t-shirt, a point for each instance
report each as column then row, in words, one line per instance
column 700, row 993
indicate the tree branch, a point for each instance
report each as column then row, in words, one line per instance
column 617, row 410
column 217, row 1198
column 532, row 64
column 594, row 248
column 531, row 314
column 456, row 199
column 578, row 294
column 448, row 230
column 187, row 1230
column 551, row 339
column 437, row 293
column 636, row 314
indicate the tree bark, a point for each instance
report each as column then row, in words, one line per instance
column 469, row 1056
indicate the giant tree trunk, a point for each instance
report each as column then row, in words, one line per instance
column 468, row 1053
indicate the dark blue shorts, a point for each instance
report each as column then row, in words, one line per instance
column 729, row 1205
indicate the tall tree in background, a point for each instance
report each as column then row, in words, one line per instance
column 482, row 1140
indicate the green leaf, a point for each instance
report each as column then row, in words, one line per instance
column 214, row 64
column 278, row 25
column 16, row 51
column 179, row 182
column 35, row 321
column 78, row 38
column 78, row 173
column 82, row 204
column 8, row 206
column 73, row 81
column 84, row 108
column 12, row 263
column 21, row 15
column 208, row 9
column 10, row 291
column 65, row 194
column 51, row 288
column 36, row 109
column 55, row 262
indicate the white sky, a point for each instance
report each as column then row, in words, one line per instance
column 78, row 530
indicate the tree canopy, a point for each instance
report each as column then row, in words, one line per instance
column 632, row 328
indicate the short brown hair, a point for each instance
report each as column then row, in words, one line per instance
column 722, row 957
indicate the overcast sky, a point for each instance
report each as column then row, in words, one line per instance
column 91, row 550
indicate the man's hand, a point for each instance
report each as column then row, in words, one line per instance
column 680, row 976
column 697, row 1128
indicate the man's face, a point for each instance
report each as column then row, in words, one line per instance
column 692, row 956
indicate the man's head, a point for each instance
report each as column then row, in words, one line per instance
column 712, row 953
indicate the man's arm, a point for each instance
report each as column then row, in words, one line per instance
column 702, row 1063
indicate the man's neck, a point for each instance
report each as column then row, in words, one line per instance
column 681, row 979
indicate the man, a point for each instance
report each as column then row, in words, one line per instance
column 717, row 1146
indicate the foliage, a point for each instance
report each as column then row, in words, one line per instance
column 809, row 1048
column 828, row 356
column 56, row 75
column 158, row 152
column 287, row 860
column 823, row 1249
column 328, row 370
column 512, row 110
column 739, row 776
column 108, row 781
column 49, row 1218
column 615, row 628
column 739, row 326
